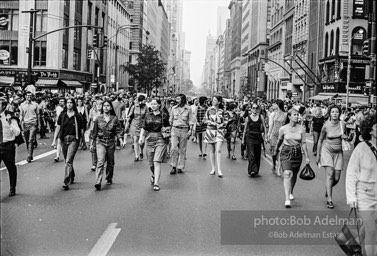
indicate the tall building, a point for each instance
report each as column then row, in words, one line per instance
column 118, row 45
column 186, row 65
column 210, row 45
column 235, row 7
column 277, row 78
column 222, row 16
column 227, row 59
column 315, row 45
column 59, row 59
column 300, row 78
column 345, row 27
column 254, row 46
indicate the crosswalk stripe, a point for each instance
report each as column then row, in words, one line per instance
column 104, row 243
column 34, row 158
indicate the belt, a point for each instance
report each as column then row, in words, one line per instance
column 105, row 138
column 180, row 127
column 2, row 144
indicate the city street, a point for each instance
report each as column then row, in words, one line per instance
column 129, row 218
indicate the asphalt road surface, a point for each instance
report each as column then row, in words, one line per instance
column 129, row 218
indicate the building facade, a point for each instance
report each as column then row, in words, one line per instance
column 345, row 28
column 119, row 21
column 65, row 69
column 235, row 7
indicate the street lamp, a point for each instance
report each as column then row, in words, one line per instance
column 361, row 31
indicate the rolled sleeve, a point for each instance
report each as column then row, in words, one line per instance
column 352, row 174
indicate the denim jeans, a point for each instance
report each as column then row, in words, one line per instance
column 69, row 148
column 30, row 132
column 94, row 155
column 8, row 156
column 178, row 147
column 105, row 153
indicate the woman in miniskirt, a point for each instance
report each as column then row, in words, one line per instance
column 293, row 138
column 151, row 131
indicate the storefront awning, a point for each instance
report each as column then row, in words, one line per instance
column 320, row 97
column 73, row 83
column 48, row 83
column 6, row 80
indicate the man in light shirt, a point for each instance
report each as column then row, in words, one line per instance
column 30, row 122
column 9, row 129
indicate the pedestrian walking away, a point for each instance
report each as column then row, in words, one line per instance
column 293, row 138
column 70, row 129
column 106, row 131
column 181, row 121
column 152, row 129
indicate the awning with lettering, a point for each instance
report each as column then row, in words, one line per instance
column 47, row 83
column 320, row 97
column 72, row 83
column 6, row 80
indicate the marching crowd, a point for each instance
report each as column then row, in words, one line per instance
column 162, row 126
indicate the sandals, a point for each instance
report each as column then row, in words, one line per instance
column 156, row 188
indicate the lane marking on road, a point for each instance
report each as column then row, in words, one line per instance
column 268, row 161
column 34, row 158
column 104, row 243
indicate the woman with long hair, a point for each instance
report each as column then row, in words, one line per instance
column 278, row 120
column 293, row 138
column 330, row 152
column 70, row 128
column 151, row 132
column 216, row 121
column 83, row 111
column 253, row 137
column 94, row 113
column 200, row 126
column 232, row 129
column 136, row 115
column 316, row 126
column 106, row 131
column 361, row 182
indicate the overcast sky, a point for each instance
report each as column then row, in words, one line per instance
column 199, row 18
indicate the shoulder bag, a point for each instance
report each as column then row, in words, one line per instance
column 347, row 240
column 346, row 146
column 374, row 150
column 166, row 131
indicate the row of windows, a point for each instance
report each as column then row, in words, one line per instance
column 13, row 19
column 332, row 42
column 331, row 9
column 277, row 36
column 11, row 46
column 277, row 16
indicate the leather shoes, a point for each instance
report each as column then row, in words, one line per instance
column 179, row 170
column 28, row 159
column 109, row 182
column 12, row 192
column 97, row 186
column 173, row 171
column 65, row 186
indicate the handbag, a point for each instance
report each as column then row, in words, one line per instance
column 166, row 131
column 307, row 173
column 346, row 146
column 347, row 241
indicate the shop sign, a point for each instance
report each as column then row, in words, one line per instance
column 4, row 55
column 328, row 87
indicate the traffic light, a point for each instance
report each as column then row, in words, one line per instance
column 366, row 90
column 90, row 54
column 105, row 41
column 365, row 50
column 95, row 40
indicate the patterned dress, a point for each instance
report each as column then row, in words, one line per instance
column 215, row 133
column 278, row 121
column 137, row 116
